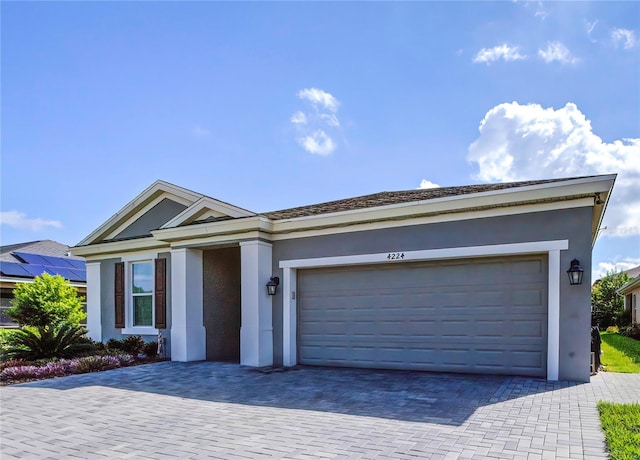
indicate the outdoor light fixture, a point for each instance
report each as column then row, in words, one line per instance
column 272, row 285
column 575, row 272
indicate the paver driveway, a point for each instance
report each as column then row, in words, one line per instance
column 213, row 410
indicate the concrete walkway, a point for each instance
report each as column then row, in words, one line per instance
column 213, row 410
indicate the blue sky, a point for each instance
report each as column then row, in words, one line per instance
column 273, row 105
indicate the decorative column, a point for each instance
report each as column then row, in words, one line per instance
column 256, row 331
column 94, row 312
column 188, row 336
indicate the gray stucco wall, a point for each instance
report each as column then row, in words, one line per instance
column 573, row 225
column 153, row 219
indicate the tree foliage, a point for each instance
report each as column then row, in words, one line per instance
column 608, row 305
column 47, row 302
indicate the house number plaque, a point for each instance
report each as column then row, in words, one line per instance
column 395, row 256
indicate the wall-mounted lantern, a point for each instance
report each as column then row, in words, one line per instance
column 272, row 285
column 575, row 272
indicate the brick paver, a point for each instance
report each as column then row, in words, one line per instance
column 212, row 410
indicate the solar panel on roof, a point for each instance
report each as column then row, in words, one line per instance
column 77, row 263
column 13, row 269
column 35, row 270
column 32, row 259
column 64, row 272
column 58, row 262
column 78, row 275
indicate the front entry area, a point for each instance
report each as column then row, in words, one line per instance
column 221, row 303
column 485, row 315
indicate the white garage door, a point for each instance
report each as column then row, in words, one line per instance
column 479, row 316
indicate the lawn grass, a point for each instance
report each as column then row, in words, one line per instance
column 621, row 426
column 620, row 353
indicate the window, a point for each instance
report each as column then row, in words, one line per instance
column 140, row 296
column 142, row 293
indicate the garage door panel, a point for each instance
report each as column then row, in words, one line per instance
column 483, row 315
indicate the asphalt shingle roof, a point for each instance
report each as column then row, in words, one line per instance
column 389, row 198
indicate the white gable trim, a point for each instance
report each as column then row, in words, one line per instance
column 133, row 209
column 206, row 207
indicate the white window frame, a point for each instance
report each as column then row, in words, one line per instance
column 129, row 260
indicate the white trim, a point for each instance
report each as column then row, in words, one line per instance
column 139, row 330
column 280, row 233
column 289, row 317
column 204, row 206
column 553, row 316
column 98, row 251
column 430, row 254
column 186, row 197
column 94, row 312
column 553, row 249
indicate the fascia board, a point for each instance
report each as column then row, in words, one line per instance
column 630, row 286
column 225, row 227
column 434, row 218
column 541, row 192
column 182, row 195
column 204, row 204
column 95, row 251
column 222, row 240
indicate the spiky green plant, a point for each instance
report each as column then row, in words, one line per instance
column 58, row 341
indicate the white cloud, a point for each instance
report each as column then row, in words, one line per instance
column 330, row 119
column 523, row 142
column 318, row 143
column 504, row 52
column 299, row 118
column 427, row 184
column 316, row 125
column 624, row 36
column 20, row 221
column 613, row 265
column 318, row 97
column 556, row 51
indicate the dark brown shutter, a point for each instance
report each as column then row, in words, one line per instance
column 161, row 293
column 119, row 295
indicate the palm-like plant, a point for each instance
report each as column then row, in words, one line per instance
column 59, row 341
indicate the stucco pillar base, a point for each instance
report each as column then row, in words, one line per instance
column 256, row 331
column 188, row 335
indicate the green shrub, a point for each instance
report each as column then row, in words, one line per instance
column 48, row 301
column 632, row 331
column 613, row 329
column 59, row 341
column 150, row 349
column 114, row 344
column 133, row 345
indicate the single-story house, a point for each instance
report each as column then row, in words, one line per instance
column 22, row 262
column 454, row 279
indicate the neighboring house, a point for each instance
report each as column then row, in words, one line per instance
column 20, row 263
column 453, row 279
column 631, row 292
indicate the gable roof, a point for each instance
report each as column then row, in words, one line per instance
column 160, row 190
column 206, row 220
